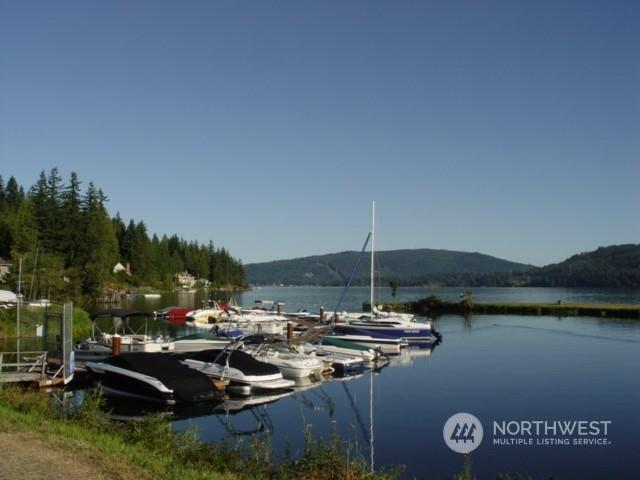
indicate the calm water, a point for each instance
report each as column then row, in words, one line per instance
column 495, row 367
column 312, row 298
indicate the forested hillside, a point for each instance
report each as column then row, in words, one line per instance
column 613, row 266
column 407, row 267
column 69, row 244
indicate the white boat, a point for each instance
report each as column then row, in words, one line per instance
column 385, row 345
column 152, row 295
column 303, row 314
column 234, row 329
column 341, row 363
column 101, row 343
column 197, row 342
column 331, row 344
column 204, row 317
column 291, row 363
column 246, row 374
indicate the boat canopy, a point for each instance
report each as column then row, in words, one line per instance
column 235, row 359
column 119, row 313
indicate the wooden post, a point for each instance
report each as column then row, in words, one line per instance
column 322, row 314
column 115, row 345
column 289, row 331
column 279, row 308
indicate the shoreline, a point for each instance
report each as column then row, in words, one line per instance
column 433, row 307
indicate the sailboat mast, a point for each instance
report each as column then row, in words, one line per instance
column 373, row 247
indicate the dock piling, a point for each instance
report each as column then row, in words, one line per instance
column 116, row 342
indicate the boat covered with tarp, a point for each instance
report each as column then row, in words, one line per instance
column 154, row 377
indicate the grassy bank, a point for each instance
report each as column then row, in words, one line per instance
column 433, row 306
column 151, row 449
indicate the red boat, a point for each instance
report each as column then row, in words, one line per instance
column 174, row 315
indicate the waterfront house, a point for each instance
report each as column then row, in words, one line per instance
column 118, row 267
column 185, row 279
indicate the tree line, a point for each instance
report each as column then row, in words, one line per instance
column 68, row 244
column 615, row 266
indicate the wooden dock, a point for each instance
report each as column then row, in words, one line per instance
column 26, row 367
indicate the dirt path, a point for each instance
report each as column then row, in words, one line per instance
column 26, row 456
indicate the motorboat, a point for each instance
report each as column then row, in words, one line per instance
column 134, row 335
column 153, row 377
column 387, row 345
column 391, row 327
column 204, row 317
column 246, row 374
column 199, row 341
column 174, row 315
column 331, row 344
column 291, row 363
column 251, row 328
column 342, row 364
column 303, row 314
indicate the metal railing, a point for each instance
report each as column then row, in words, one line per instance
column 13, row 364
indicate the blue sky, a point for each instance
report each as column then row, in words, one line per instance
column 509, row 128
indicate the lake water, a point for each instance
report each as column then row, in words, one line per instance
column 498, row 368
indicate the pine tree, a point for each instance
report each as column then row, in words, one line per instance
column 2, row 195
column 44, row 210
column 24, row 230
column 71, row 223
column 103, row 251
column 14, row 194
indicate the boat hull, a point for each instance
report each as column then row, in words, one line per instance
column 385, row 345
column 418, row 334
column 121, row 383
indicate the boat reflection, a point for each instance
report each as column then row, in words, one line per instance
column 408, row 356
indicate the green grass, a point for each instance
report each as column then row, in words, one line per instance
column 152, row 446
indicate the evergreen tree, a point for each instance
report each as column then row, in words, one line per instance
column 2, row 195
column 71, row 229
column 13, row 194
column 46, row 197
column 24, row 230
column 119, row 229
column 78, row 243
column 99, row 235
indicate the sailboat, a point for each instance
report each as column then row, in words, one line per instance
column 382, row 324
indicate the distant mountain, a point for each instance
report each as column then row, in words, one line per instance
column 613, row 266
column 408, row 267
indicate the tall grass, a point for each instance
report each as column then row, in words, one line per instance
column 153, row 445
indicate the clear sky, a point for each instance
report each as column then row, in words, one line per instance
column 505, row 127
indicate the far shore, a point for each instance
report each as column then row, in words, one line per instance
column 433, row 306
